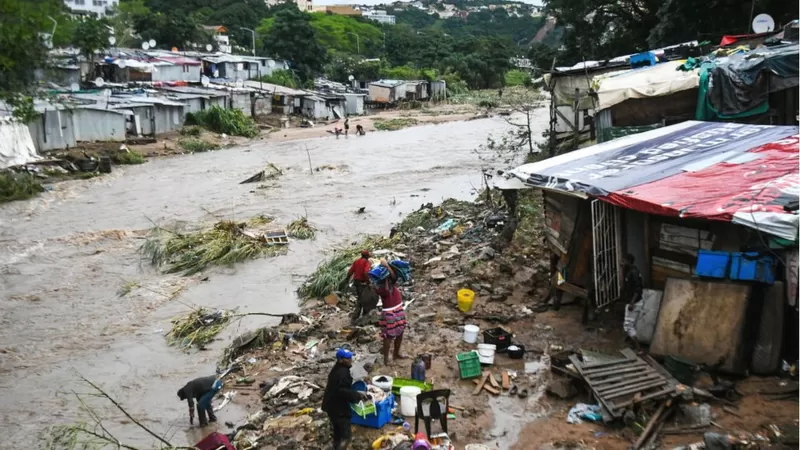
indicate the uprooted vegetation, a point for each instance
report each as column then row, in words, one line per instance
column 301, row 229
column 331, row 274
column 224, row 244
column 128, row 157
column 394, row 124
column 18, row 186
column 224, row 121
column 198, row 328
column 196, row 145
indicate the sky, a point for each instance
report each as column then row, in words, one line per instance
column 378, row 2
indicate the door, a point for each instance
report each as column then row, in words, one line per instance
column 607, row 253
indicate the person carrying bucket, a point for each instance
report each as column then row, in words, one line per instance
column 393, row 315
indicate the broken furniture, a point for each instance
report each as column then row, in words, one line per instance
column 429, row 408
column 277, row 237
column 618, row 383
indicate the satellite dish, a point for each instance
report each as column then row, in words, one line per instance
column 74, row 87
column 145, row 45
column 351, row 78
column 121, row 63
column 239, row 83
column 209, row 47
column 99, row 82
column 152, row 42
column 763, row 23
column 204, row 80
column 112, row 40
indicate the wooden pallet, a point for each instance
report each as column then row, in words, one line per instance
column 277, row 237
column 618, row 383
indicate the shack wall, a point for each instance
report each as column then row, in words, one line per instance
column 53, row 130
column 97, row 125
column 168, row 118
column 381, row 94
column 241, row 101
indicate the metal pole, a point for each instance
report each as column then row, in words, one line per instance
column 358, row 41
column 253, row 33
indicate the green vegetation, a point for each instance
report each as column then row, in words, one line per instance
column 394, row 124
column 128, row 157
column 224, row 121
column 301, row 229
column 516, row 77
column 127, row 288
column 194, row 145
column 224, row 244
column 331, row 273
column 192, row 130
column 281, row 78
column 18, row 186
column 198, row 328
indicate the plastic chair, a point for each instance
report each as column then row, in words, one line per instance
column 435, row 410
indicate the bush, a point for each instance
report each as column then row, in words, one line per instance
column 191, row 131
column 516, row 77
column 129, row 157
column 227, row 121
column 18, row 186
column 197, row 145
column 281, row 77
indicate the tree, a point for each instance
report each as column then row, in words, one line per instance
column 23, row 49
column 90, row 36
column 291, row 37
column 541, row 56
column 123, row 20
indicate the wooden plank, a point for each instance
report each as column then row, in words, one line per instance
column 655, row 419
column 506, row 380
column 621, row 378
column 605, row 372
column 481, row 384
column 633, row 389
column 609, row 363
column 573, row 289
column 661, row 393
column 493, row 382
column 491, row 390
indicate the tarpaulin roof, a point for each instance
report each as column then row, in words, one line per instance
column 654, row 81
column 716, row 171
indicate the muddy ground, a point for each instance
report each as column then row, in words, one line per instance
column 511, row 283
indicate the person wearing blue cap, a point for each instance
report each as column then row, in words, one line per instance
column 339, row 393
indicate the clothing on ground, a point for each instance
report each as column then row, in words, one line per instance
column 631, row 317
column 339, row 392
column 393, row 322
column 360, row 269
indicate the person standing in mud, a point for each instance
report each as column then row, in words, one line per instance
column 346, row 126
column 203, row 390
column 339, row 393
column 366, row 297
column 393, row 314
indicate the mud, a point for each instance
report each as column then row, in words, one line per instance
column 64, row 256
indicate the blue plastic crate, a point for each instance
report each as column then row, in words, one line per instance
column 382, row 415
column 712, row 264
column 752, row 267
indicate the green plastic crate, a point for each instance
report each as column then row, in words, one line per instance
column 398, row 383
column 363, row 409
column 469, row 366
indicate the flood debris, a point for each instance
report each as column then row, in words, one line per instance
column 301, row 229
column 198, row 328
column 188, row 252
column 271, row 172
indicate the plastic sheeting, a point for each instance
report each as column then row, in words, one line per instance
column 654, row 81
column 731, row 172
column 16, row 144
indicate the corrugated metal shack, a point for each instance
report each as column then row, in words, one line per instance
column 387, row 91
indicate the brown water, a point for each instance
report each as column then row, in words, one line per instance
column 64, row 256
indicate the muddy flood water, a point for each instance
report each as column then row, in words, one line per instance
column 64, row 257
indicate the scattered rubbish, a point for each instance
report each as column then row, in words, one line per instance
column 226, row 398
column 447, row 225
column 582, row 411
column 198, row 328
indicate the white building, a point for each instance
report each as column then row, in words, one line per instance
column 379, row 16
column 302, row 5
column 96, row 7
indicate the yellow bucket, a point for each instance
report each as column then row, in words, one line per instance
column 465, row 299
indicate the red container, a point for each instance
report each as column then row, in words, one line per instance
column 215, row 441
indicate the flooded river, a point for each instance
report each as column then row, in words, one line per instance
column 65, row 256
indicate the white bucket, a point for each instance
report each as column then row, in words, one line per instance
column 408, row 400
column 486, row 353
column 386, row 386
column 471, row 333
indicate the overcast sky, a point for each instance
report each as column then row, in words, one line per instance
column 378, row 2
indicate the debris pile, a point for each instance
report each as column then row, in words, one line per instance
column 198, row 328
column 301, row 229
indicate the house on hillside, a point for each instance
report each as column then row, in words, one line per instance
column 387, row 91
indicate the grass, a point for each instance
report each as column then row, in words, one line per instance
column 301, row 229
column 18, row 186
column 224, row 244
column 330, row 274
column 224, row 121
column 394, row 124
column 195, row 145
column 128, row 157
column 198, row 328
column 126, row 288
column 193, row 131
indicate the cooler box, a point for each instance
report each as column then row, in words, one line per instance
column 215, row 441
column 712, row 264
column 752, row 267
column 369, row 414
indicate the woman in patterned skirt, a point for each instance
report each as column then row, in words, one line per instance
column 393, row 315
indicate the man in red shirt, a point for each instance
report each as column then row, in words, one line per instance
column 367, row 298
